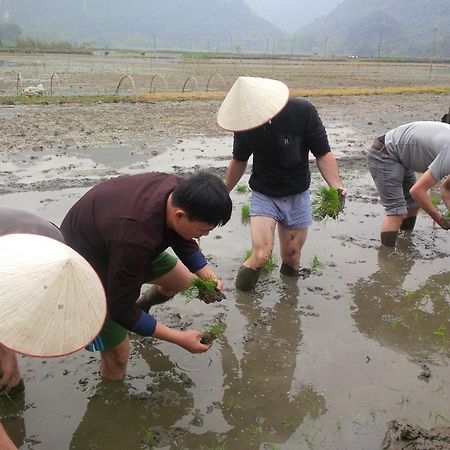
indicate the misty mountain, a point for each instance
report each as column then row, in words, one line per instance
column 221, row 25
column 291, row 15
column 385, row 27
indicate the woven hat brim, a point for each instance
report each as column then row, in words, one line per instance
column 52, row 302
column 251, row 102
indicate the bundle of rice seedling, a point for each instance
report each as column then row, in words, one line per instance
column 327, row 202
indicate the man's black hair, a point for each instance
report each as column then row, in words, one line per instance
column 205, row 198
column 445, row 118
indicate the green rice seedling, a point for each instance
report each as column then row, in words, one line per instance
column 242, row 188
column 395, row 323
column 287, row 422
column 270, row 264
column 203, row 285
column 409, row 295
column 149, row 436
column 213, row 332
column 204, row 289
column 218, row 446
column 440, row 331
column 327, row 202
column 245, row 211
column 316, row 264
column 435, row 200
column 255, row 430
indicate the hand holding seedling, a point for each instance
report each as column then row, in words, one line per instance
column 328, row 202
column 212, row 332
column 187, row 339
column 207, row 290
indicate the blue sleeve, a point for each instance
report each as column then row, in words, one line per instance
column 146, row 325
column 195, row 262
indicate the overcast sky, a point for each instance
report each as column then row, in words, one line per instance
column 291, row 15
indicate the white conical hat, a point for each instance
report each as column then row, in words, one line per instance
column 52, row 302
column 251, row 102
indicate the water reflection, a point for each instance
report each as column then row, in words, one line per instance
column 411, row 320
column 118, row 414
column 12, row 409
column 259, row 400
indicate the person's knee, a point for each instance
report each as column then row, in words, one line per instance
column 259, row 258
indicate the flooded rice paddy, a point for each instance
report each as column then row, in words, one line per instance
column 325, row 362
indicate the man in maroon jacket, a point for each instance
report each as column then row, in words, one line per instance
column 123, row 227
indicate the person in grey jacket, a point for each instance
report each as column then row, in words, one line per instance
column 394, row 159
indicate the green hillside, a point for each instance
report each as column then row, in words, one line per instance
column 390, row 28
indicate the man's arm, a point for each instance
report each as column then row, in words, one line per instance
column 330, row 172
column 5, row 442
column 187, row 339
column 445, row 192
column 234, row 173
column 419, row 193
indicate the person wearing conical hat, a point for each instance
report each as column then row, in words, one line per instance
column 279, row 131
column 60, row 298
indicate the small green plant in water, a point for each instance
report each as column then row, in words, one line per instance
column 316, row 264
column 212, row 332
column 149, row 436
column 409, row 295
column 242, row 188
column 287, row 423
column 245, row 211
column 435, row 200
column 440, row 331
column 268, row 266
column 218, row 446
column 395, row 323
column 327, row 202
column 255, row 430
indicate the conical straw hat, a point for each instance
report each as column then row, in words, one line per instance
column 52, row 302
column 251, row 102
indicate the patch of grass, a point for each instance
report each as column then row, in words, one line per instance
column 245, row 211
column 435, row 199
column 149, row 436
column 213, row 95
column 287, row 422
column 255, row 430
column 242, row 188
column 326, row 202
column 316, row 264
column 217, row 446
column 409, row 295
column 395, row 323
column 440, row 331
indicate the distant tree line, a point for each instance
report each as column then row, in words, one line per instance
column 11, row 37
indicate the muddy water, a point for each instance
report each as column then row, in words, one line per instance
column 325, row 362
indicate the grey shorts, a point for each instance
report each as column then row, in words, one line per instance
column 393, row 181
column 291, row 211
